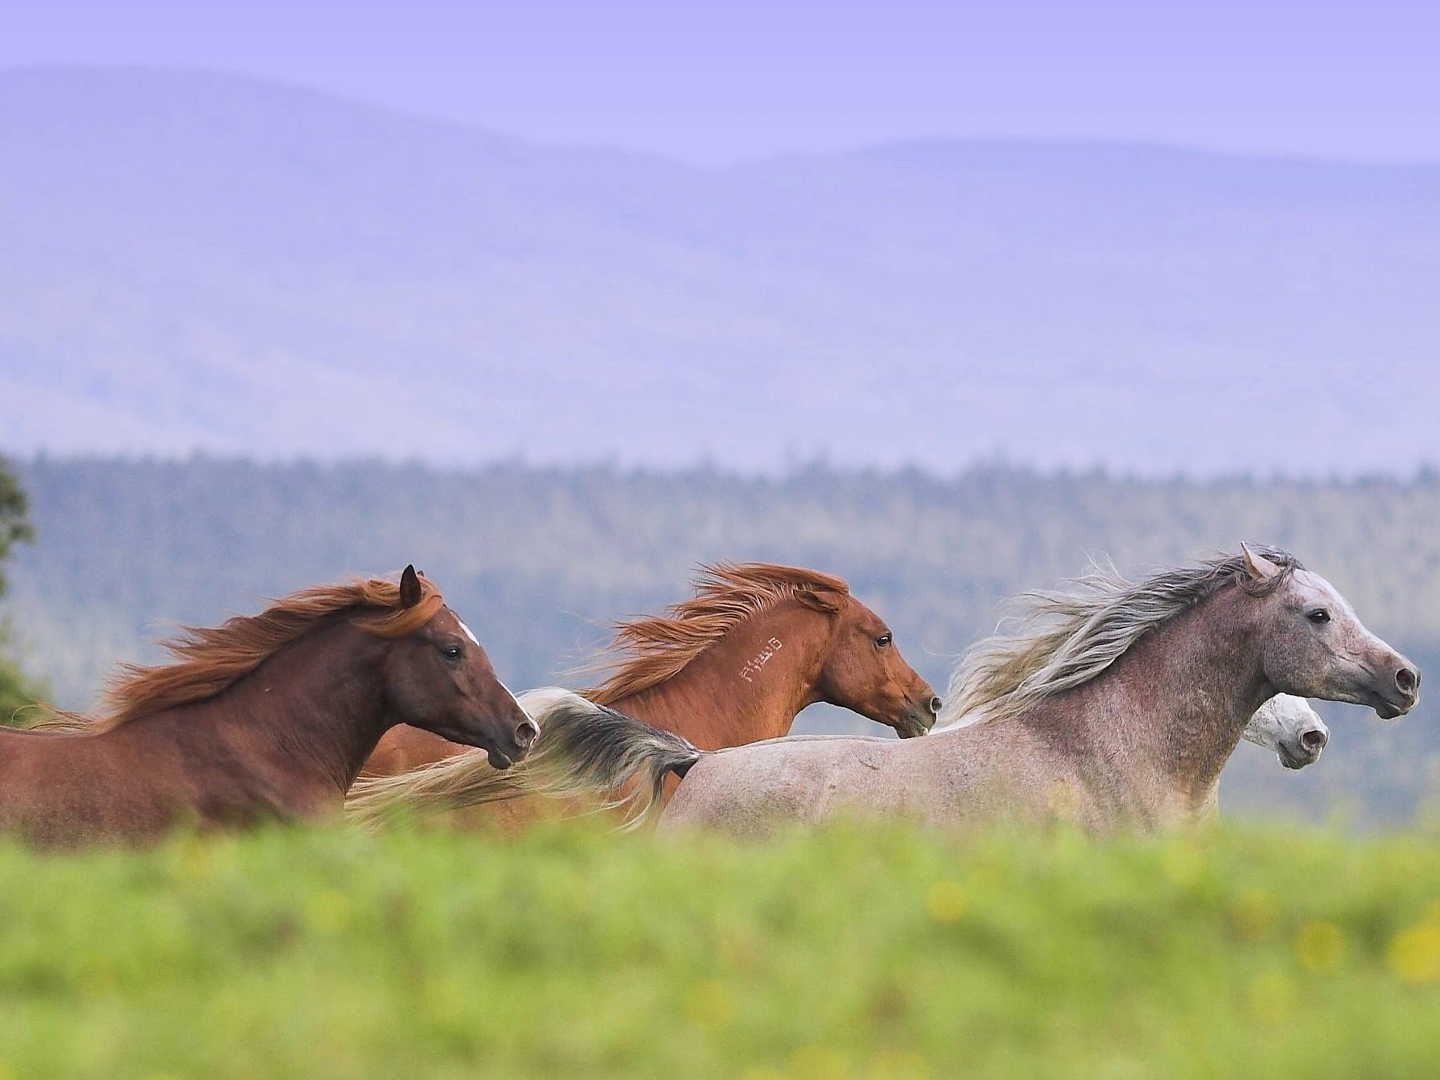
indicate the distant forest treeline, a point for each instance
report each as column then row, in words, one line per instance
column 539, row 559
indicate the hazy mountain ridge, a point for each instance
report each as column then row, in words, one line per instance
column 198, row 260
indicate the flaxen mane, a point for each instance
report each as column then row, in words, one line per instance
column 647, row 651
column 210, row 660
column 1066, row 638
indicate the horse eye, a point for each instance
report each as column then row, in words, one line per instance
column 1319, row 616
column 452, row 652
column 884, row 640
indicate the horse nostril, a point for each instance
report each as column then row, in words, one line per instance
column 1407, row 680
column 526, row 734
column 935, row 704
column 1314, row 740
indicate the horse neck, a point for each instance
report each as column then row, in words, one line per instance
column 310, row 714
column 745, row 687
column 1176, row 704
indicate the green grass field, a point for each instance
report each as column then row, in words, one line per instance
column 856, row 952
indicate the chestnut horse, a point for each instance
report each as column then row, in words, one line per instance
column 266, row 717
column 1116, row 704
column 735, row 663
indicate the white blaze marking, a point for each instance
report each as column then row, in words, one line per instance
column 476, row 641
column 507, row 690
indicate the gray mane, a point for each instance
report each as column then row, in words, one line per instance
column 1064, row 639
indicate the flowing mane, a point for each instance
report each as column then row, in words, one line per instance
column 647, row 651
column 1066, row 638
column 209, row 660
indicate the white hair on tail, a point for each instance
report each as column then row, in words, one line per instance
column 546, row 699
column 584, row 749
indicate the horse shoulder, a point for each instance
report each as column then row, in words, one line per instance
column 989, row 771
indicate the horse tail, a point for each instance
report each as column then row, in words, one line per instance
column 588, row 750
column 584, row 749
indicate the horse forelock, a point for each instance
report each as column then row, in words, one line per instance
column 208, row 660
column 1066, row 638
column 647, row 651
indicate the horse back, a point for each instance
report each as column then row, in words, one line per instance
column 62, row 787
column 752, row 789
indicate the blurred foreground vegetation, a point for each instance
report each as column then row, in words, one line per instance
column 539, row 559
column 872, row 952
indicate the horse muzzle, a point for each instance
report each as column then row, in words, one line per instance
column 1303, row 750
column 917, row 720
column 1389, row 703
column 523, row 738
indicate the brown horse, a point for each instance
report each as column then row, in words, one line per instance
column 265, row 717
column 734, row 664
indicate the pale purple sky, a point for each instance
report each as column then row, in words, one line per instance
column 719, row 81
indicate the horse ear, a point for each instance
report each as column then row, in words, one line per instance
column 410, row 591
column 823, row 600
column 1260, row 568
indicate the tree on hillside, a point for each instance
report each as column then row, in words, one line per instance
column 15, row 690
column 14, row 517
